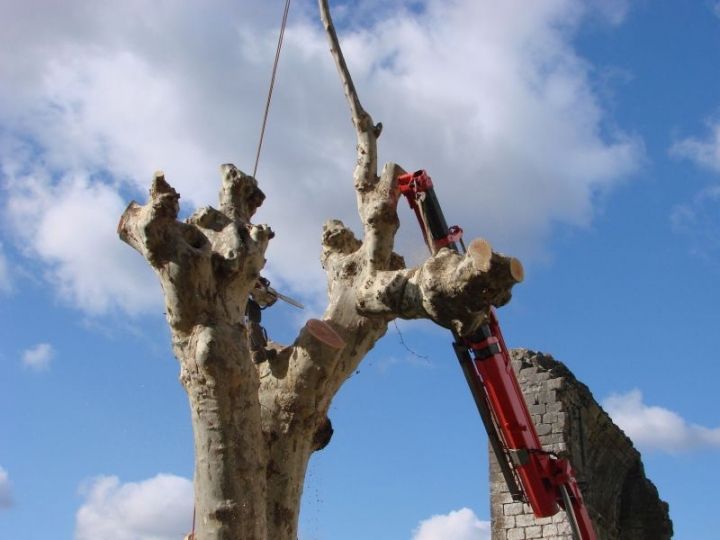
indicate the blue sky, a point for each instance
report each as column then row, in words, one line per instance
column 580, row 136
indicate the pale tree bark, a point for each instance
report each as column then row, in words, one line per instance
column 256, row 425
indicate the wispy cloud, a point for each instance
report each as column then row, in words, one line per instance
column 614, row 11
column 704, row 151
column 699, row 222
column 460, row 524
column 412, row 359
column 95, row 104
column 656, row 428
column 38, row 358
column 5, row 280
column 159, row 508
column 698, row 219
column 6, row 499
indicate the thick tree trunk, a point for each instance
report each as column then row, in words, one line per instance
column 257, row 424
column 230, row 449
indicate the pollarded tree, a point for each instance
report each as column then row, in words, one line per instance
column 256, row 424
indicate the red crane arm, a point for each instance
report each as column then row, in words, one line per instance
column 533, row 475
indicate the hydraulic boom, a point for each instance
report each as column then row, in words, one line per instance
column 533, row 475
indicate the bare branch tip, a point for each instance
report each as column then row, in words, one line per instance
column 131, row 209
column 516, row 270
column 160, row 186
column 480, row 251
column 240, row 195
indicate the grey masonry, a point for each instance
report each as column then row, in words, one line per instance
column 622, row 502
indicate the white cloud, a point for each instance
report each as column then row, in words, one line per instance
column 460, row 524
column 657, row 428
column 704, row 151
column 70, row 225
column 38, row 357
column 494, row 113
column 159, row 508
column 6, row 499
column 490, row 97
column 5, row 281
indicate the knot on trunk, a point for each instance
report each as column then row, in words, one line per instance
column 338, row 238
column 209, row 218
column 323, row 434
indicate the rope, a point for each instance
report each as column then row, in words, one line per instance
column 272, row 83
column 402, row 341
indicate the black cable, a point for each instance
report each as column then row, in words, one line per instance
column 272, row 83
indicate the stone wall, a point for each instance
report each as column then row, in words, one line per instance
column 622, row 502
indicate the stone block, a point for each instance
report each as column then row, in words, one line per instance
column 525, row 520
column 552, row 438
column 528, row 372
column 513, row 509
column 533, row 532
column 549, row 530
column 503, row 496
column 549, row 396
column 516, row 534
column 540, row 408
column 554, row 407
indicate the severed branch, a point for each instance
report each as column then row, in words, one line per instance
column 453, row 290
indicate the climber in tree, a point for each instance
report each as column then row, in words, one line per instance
column 260, row 298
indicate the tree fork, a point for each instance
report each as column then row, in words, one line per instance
column 255, row 426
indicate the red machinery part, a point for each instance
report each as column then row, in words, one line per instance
column 572, row 500
column 418, row 188
column 546, row 481
column 543, row 476
column 514, row 422
column 454, row 234
column 416, row 182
